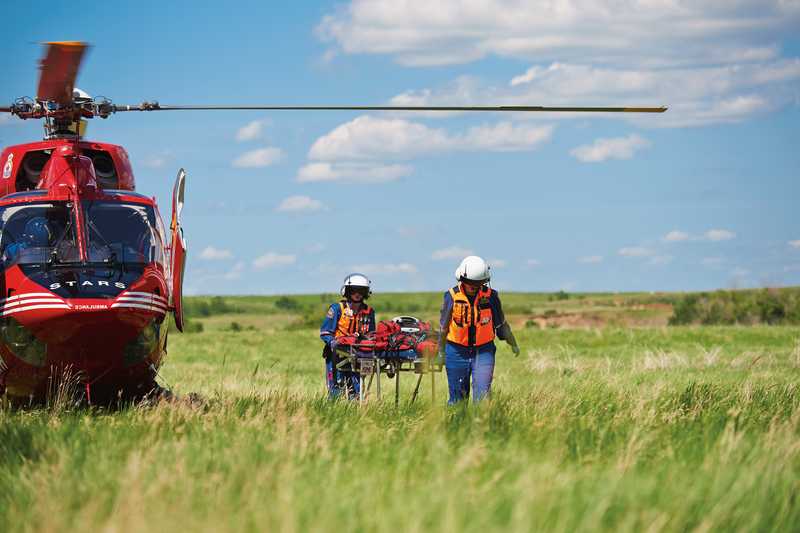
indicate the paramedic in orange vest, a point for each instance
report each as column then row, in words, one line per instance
column 349, row 316
column 470, row 320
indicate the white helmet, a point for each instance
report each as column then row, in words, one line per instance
column 473, row 268
column 356, row 280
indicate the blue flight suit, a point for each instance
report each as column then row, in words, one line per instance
column 338, row 379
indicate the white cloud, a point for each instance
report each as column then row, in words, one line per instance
column 795, row 244
column 697, row 95
column 357, row 151
column 261, row 157
column 636, row 251
column 210, row 253
column 533, row 263
column 676, row 236
column 719, row 235
column 156, row 160
column 250, row 131
column 373, row 269
column 417, row 32
column 610, row 148
column 271, row 259
column 711, row 61
column 497, row 263
column 591, row 259
column 352, row 172
column 235, row 273
column 299, row 203
column 453, row 252
column 368, row 137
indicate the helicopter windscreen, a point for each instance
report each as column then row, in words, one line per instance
column 121, row 233
column 38, row 233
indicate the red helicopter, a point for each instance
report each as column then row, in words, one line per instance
column 89, row 271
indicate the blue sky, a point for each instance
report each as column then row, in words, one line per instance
column 701, row 197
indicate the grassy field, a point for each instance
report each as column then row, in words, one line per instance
column 617, row 422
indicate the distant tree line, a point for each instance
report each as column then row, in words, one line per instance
column 767, row 306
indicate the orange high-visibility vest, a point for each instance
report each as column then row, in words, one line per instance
column 471, row 323
column 351, row 323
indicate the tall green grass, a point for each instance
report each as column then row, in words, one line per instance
column 660, row 429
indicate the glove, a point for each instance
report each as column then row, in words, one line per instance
column 515, row 349
column 332, row 345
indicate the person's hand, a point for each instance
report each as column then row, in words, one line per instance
column 515, row 349
column 332, row 345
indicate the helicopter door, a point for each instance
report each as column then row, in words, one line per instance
column 178, row 248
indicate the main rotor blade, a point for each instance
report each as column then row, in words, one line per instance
column 59, row 69
column 154, row 106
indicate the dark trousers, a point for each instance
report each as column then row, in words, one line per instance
column 340, row 380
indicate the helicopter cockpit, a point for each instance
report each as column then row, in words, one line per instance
column 38, row 233
column 121, row 232
column 45, row 233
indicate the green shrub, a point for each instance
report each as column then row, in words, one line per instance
column 191, row 326
column 285, row 303
column 767, row 306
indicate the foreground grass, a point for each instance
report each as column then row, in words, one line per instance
column 610, row 429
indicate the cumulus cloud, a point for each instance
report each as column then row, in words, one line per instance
column 711, row 61
column 661, row 33
column 261, row 157
column 357, row 150
column 452, row 252
column 272, row 259
column 676, row 236
column 368, row 137
column 386, row 268
column 795, row 244
column 362, row 172
column 696, row 96
column 210, row 253
column 250, row 131
column 610, row 148
column 156, row 160
column 235, row 272
column 636, row 251
column 719, row 235
column 299, row 204
column 591, row 259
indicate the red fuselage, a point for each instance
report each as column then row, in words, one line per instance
column 86, row 284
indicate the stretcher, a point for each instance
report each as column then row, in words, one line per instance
column 404, row 344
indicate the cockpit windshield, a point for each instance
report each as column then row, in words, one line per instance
column 121, row 233
column 38, row 233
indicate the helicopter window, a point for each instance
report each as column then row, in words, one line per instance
column 38, row 233
column 121, row 233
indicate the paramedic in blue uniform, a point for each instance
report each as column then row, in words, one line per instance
column 349, row 316
column 471, row 318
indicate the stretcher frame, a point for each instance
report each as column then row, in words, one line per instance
column 386, row 362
